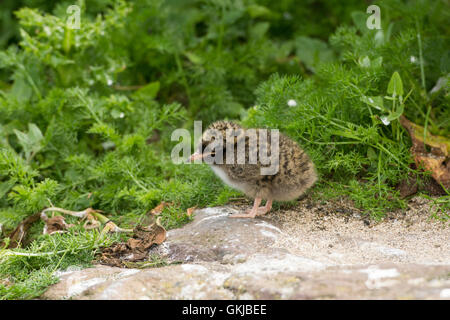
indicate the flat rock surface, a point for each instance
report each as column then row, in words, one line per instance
column 327, row 251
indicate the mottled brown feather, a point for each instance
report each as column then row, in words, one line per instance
column 295, row 175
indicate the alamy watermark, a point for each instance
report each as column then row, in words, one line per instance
column 73, row 21
column 374, row 20
column 213, row 147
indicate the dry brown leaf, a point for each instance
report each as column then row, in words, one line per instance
column 440, row 170
column 19, row 234
column 160, row 232
column 437, row 161
column 160, row 207
column 190, row 211
column 133, row 243
column 55, row 224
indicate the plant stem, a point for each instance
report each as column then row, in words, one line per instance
column 422, row 71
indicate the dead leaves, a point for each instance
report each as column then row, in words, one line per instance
column 131, row 253
column 136, row 248
column 437, row 161
column 190, row 211
column 124, row 254
column 160, row 207
column 19, row 234
column 55, row 224
column 156, row 211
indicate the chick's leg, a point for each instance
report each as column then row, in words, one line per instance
column 253, row 212
column 265, row 209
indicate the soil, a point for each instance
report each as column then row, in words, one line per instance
column 316, row 229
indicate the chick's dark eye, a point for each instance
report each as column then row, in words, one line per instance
column 204, row 145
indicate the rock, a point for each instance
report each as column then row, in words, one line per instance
column 267, row 258
column 213, row 236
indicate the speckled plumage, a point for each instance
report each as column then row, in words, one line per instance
column 296, row 172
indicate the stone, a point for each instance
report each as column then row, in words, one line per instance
column 284, row 255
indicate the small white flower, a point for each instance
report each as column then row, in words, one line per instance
column 413, row 59
column 292, row 103
column 385, row 120
column 371, row 100
column 122, row 115
column 109, row 82
column 107, row 145
column 47, row 31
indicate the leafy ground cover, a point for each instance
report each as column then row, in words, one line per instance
column 86, row 114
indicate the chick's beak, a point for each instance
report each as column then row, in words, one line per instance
column 195, row 156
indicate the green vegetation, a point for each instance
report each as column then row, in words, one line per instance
column 86, row 115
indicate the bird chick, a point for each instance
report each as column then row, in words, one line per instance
column 281, row 171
